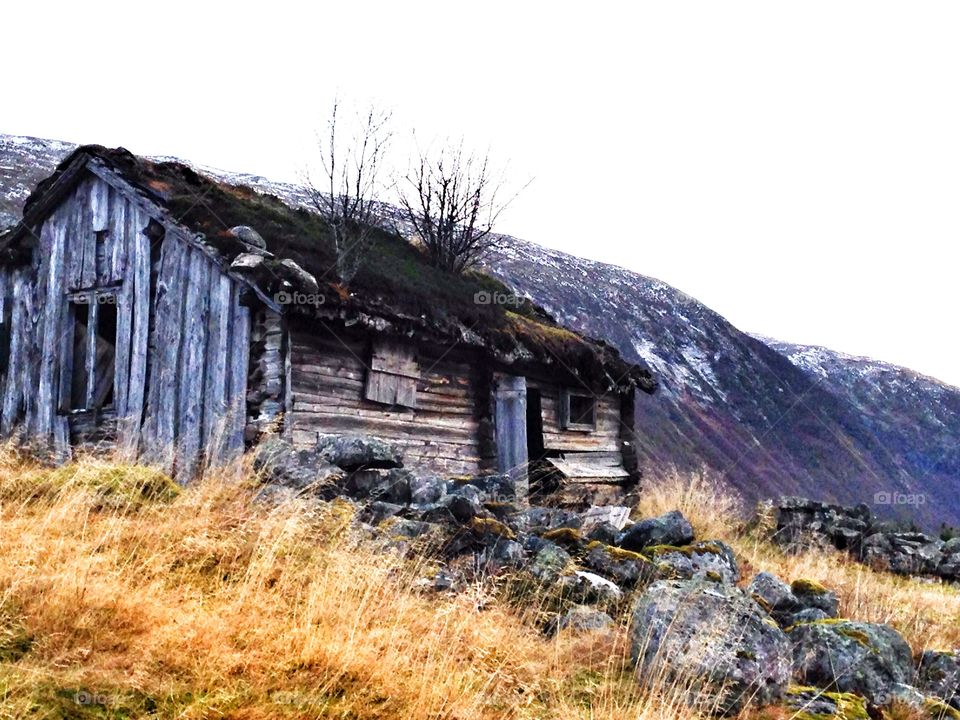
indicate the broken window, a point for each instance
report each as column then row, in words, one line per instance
column 90, row 351
column 393, row 375
column 578, row 411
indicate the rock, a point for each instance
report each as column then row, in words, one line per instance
column 711, row 639
column 357, row 452
column 863, row 658
column 590, row 588
column 301, row 279
column 604, row 533
column 615, row 516
column 669, row 529
column 625, row 567
column 549, row 563
column 388, row 485
column 812, row 704
column 774, row 596
column 379, row 511
column 447, row 581
column 279, row 463
column 426, row 489
column 245, row 262
column 541, row 519
column 810, row 594
column 923, row 705
column 248, row 236
column 939, row 675
column 580, row 619
column 396, row 527
column 806, row 615
column 714, row 559
column 509, row 552
column 492, row 488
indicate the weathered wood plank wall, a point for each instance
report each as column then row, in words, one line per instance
column 181, row 353
column 441, row 435
column 604, row 438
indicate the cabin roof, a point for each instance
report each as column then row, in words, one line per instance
column 395, row 291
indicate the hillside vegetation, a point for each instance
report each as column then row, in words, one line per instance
column 122, row 595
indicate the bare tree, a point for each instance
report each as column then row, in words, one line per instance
column 452, row 200
column 352, row 160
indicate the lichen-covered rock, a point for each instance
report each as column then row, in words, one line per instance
column 774, row 596
column 580, row 619
column 549, row 563
column 542, row 519
column 813, row 595
column 712, row 639
column 249, row 236
column 669, row 529
column 357, row 452
column 625, row 567
column 426, row 489
column 863, row 658
column 712, row 559
column 939, row 675
column 806, row 703
column 277, row 462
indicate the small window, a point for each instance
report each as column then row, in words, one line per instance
column 578, row 411
column 90, row 355
column 393, row 375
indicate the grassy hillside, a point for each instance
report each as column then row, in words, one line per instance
column 124, row 596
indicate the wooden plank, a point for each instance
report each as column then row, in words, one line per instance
column 215, row 420
column 510, row 414
column 191, row 376
column 239, row 364
column 583, row 467
column 85, row 235
column 53, row 240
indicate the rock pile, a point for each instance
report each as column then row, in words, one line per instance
column 694, row 624
column 802, row 523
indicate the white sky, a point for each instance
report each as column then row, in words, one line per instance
column 795, row 166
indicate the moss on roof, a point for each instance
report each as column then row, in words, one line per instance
column 395, row 280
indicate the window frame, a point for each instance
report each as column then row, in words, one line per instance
column 93, row 299
column 566, row 423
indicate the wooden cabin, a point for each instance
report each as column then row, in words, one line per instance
column 151, row 309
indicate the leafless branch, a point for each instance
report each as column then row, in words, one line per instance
column 352, row 162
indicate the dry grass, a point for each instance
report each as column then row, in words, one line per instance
column 121, row 599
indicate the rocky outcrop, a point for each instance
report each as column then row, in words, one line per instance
column 802, row 601
column 804, row 523
column 712, row 639
column 669, row 529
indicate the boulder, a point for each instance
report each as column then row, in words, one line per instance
column 248, row 236
column 669, row 529
column 712, row 640
column 358, row 452
column 774, row 596
column 812, row 595
column 603, row 532
column 625, row 567
column 387, row 485
column 542, row 519
column 277, row 462
column 863, row 658
column 580, row 619
column 713, row 559
column 426, row 489
column 549, row 563
column 939, row 676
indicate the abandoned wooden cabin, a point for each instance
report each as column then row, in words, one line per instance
column 152, row 309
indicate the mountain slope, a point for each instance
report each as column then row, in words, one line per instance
column 728, row 401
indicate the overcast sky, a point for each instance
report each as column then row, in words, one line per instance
column 795, row 166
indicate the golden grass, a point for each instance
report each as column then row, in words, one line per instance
column 205, row 603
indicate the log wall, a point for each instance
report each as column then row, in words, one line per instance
column 443, row 434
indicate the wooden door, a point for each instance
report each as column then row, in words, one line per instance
column 510, row 393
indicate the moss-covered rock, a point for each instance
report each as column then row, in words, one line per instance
column 807, row 703
column 863, row 658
